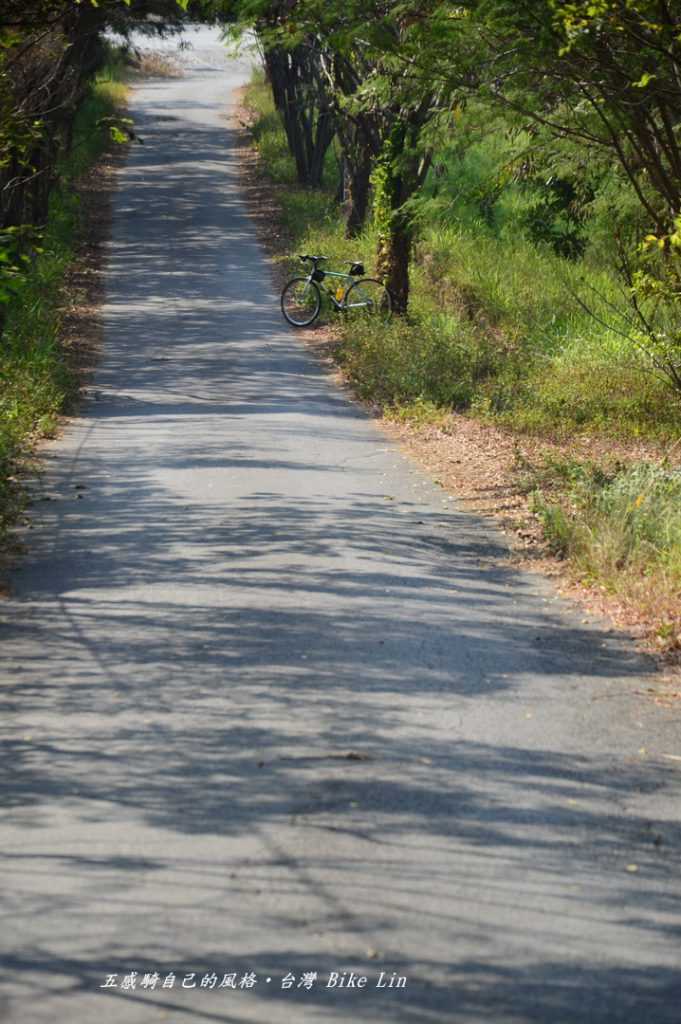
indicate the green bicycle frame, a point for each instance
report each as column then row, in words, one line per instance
column 339, row 304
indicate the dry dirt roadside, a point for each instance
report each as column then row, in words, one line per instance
column 481, row 465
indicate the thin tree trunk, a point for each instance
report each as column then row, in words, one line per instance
column 358, row 179
column 325, row 130
column 304, row 108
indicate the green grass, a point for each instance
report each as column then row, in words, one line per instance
column 36, row 381
column 558, row 369
column 621, row 531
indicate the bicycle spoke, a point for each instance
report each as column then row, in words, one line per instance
column 370, row 299
column 300, row 302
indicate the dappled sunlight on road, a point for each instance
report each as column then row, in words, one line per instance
column 272, row 703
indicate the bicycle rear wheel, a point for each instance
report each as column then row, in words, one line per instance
column 300, row 302
column 369, row 298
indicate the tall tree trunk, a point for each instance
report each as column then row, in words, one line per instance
column 358, row 181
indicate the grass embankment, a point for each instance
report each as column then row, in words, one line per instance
column 497, row 331
column 38, row 379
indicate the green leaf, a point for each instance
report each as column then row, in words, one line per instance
column 643, row 80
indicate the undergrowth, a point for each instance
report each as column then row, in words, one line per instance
column 622, row 532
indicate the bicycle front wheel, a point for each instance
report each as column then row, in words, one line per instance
column 369, row 298
column 300, row 302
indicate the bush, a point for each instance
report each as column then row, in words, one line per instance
column 437, row 360
column 621, row 528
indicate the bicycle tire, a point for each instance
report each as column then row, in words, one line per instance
column 302, row 308
column 369, row 297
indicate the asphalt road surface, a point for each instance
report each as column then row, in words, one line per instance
column 273, row 707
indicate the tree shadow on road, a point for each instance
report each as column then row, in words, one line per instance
column 288, row 699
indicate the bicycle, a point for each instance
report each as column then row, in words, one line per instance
column 301, row 297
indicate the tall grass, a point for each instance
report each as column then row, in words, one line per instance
column 35, row 378
column 558, row 368
column 622, row 531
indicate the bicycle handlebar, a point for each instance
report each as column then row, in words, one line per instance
column 314, row 259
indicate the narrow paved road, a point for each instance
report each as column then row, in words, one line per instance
column 271, row 705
